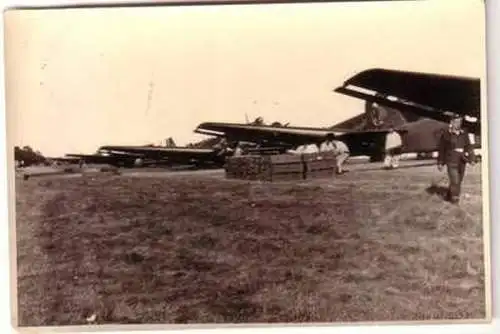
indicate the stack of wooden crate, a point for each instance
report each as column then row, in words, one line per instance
column 281, row 167
column 265, row 167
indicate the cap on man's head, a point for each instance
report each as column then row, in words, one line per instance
column 456, row 116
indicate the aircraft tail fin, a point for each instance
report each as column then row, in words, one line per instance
column 380, row 116
column 377, row 117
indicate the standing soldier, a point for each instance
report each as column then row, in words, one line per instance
column 393, row 144
column 455, row 151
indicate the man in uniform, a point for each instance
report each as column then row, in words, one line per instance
column 455, row 151
column 340, row 150
column 393, row 144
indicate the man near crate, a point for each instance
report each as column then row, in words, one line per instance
column 339, row 149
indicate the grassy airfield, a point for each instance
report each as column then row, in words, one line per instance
column 197, row 248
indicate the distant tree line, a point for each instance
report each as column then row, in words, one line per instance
column 26, row 156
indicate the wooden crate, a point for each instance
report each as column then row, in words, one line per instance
column 294, row 167
column 312, row 157
column 319, row 165
column 285, row 158
column 265, row 168
column 248, row 167
column 286, row 167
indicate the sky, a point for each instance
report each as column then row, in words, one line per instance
column 80, row 78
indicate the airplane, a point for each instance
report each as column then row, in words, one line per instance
column 416, row 105
column 141, row 156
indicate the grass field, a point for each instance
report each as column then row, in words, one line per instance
column 370, row 245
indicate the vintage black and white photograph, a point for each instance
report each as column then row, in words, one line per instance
column 249, row 163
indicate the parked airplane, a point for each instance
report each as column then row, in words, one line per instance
column 416, row 105
column 140, row 156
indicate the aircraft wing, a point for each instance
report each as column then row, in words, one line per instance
column 172, row 156
column 428, row 95
column 360, row 142
column 272, row 135
column 102, row 159
column 158, row 152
